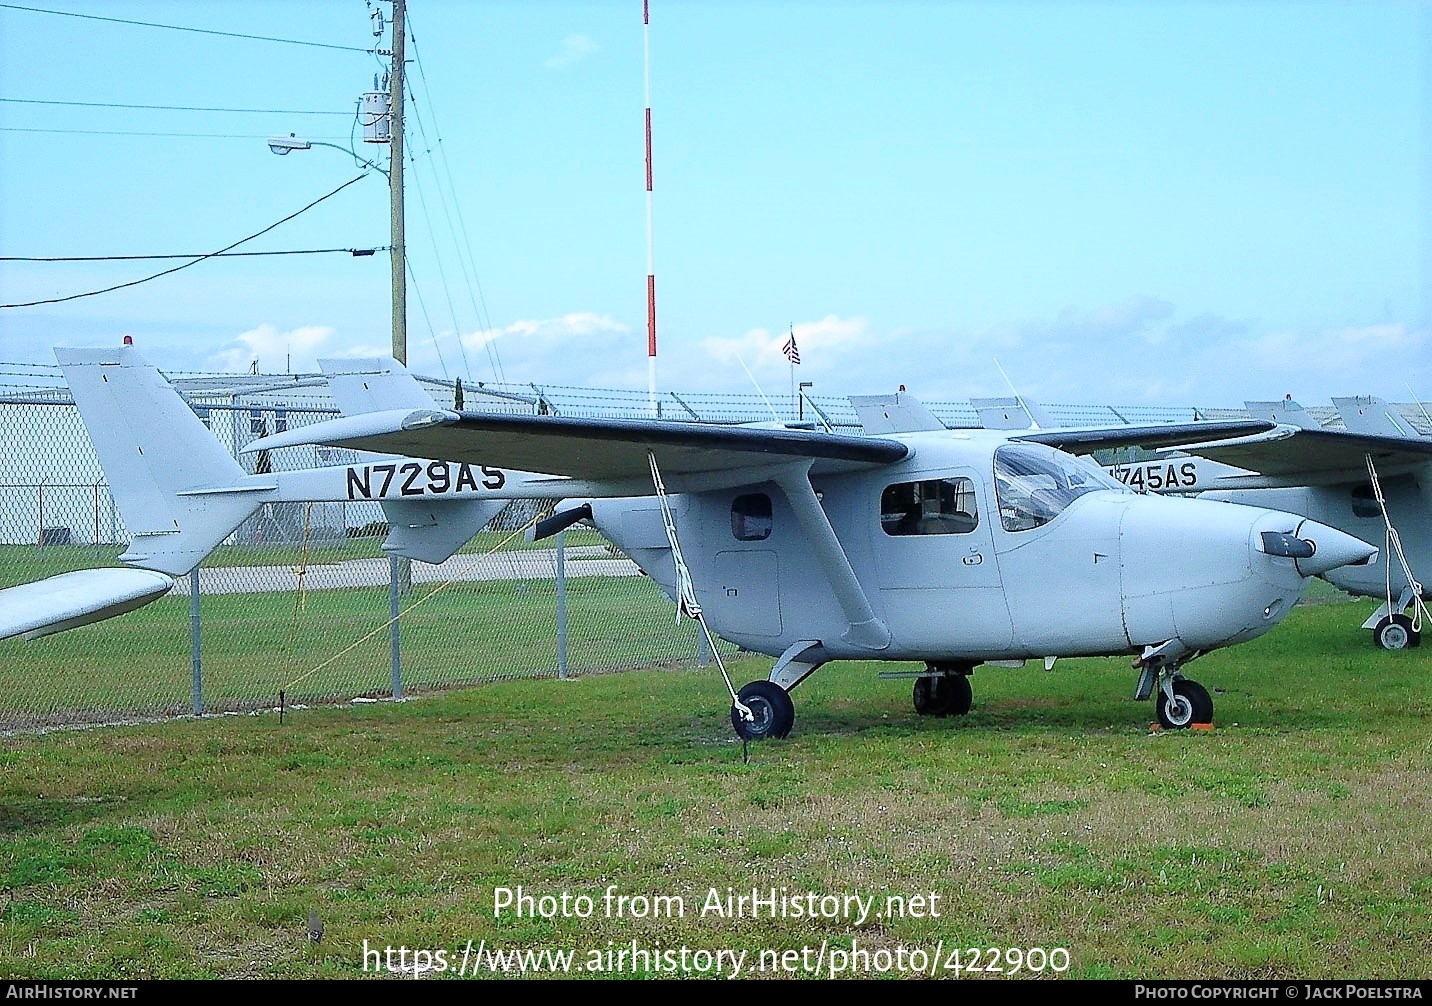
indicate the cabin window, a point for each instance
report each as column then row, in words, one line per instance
column 934, row 506
column 1034, row 484
column 751, row 517
column 1364, row 501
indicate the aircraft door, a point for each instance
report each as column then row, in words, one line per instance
column 939, row 578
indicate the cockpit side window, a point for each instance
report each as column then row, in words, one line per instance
column 1034, row 484
column 751, row 517
column 934, row 506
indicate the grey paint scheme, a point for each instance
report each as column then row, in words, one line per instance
column 1105, row 571
column 1114, row 573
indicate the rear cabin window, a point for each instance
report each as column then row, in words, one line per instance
column 751, row 517
column 934, row 506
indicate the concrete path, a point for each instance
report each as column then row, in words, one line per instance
column 523, row 564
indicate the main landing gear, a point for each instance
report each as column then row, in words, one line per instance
column 1395, row 632
column 943, row 691
column 772, row 712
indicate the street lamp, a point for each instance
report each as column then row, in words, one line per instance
column 285, row 145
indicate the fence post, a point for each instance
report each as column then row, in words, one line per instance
column 393, row 594
column 195, row 626
column 561, row 604
column 703, row 648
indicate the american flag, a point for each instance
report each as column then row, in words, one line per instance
column 792, row 353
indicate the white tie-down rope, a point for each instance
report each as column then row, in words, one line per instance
column 1394, row 547
column 686, row 603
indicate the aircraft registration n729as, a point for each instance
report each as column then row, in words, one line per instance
column 912, row 542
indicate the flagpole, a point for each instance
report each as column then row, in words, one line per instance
column 793, row 356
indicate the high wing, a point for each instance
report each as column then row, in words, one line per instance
column 590, row 449
column 1286, row 447
column 1199, row 436
column 1319, row 457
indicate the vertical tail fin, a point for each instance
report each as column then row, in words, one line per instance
column 427, row 529
column 180, row 491
column 374, row 384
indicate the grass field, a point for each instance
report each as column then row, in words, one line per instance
column 1292, row 841
column 333, row 644
column 25, row 563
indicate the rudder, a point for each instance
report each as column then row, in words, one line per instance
column 181, row 493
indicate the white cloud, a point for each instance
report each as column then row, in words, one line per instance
column 275, row 351
column 759, row 348
column 574, row 49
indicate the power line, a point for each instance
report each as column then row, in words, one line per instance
column 166, row 272
column 175, row 27
column 467, row 262
column 167, row 108
column 356, row 252
column 123, row 132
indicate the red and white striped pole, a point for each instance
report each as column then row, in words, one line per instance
column 650, row 254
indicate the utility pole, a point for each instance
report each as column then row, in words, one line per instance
column 395, row 187
column 400, row 569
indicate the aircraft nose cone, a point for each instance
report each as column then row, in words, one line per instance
column 1316, row 548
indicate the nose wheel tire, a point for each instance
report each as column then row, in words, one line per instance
column 943, row 695
column 1395, row 632
column 772, row 712
column 1191, row 705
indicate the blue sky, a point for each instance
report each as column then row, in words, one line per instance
column 1164, row 202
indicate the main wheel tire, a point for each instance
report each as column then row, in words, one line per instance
column 1191, row 705
column 1395, row 632
column 772, row 710
column 943, row 695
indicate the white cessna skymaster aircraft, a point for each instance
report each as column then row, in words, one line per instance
column 949, row 548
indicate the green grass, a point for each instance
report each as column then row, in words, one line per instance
column 26, row 563
column 333, row 644
column 1292, row 841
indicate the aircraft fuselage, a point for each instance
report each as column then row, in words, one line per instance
column 960, row 566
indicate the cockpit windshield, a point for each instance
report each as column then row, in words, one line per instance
column 1034, row 484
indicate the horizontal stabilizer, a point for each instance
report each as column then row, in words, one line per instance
column 74, row 599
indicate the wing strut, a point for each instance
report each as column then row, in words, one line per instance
column 864, row 628
column 686, row 603
column 1394, row 546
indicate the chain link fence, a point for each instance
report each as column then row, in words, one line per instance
column 299, row 604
